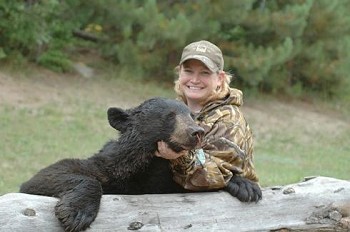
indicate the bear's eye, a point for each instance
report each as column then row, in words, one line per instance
column 192, row 115
column 172, row 114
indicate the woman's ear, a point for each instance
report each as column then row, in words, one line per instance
column 221, row 79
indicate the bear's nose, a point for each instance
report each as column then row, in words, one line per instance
column 196, row 131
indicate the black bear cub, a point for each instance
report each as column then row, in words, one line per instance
column 124, row 166
column 127, row 165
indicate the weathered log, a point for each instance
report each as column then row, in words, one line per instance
column 318, row 204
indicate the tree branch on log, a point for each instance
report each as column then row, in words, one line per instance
column 318, row 204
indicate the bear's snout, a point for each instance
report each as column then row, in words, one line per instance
column 197, row 133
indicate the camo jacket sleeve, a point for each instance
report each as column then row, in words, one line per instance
column 228, row 151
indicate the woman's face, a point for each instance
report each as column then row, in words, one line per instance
column 197, row 82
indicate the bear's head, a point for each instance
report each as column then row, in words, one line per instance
column 158, row 119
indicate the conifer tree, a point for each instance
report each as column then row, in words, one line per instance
column 290, row 46
column 276, row 46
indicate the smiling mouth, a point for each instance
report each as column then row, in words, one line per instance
column 194, row 87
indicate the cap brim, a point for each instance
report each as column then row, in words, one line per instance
column 205, row 60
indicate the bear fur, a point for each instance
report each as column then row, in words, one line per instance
column 127, row 165
column 124, row 166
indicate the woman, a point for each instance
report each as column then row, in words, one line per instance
column 226, row 159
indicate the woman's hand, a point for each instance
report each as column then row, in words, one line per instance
column 165, row 152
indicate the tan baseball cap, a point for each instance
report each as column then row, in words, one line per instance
column 206, row 52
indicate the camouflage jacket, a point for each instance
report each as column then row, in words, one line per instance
column 227, row 146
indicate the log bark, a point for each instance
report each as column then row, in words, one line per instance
column 317, row 204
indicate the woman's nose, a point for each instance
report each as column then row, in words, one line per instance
column 195, row 78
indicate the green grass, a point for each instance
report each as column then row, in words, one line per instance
column 285, row 159
column 75, row 125
column 32, row 139
column 37, row 131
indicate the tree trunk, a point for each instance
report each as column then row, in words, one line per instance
column 317, row 204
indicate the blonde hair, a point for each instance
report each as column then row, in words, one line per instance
column 218, row 93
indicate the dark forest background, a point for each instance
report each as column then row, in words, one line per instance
column 287, row 47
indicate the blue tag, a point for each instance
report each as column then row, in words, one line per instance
column 200, row 156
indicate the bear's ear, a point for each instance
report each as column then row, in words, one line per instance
column 118, row 119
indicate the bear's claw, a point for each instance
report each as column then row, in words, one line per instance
column 73, row 219
column 244, row 189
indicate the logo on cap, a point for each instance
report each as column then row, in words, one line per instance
column 201, row 48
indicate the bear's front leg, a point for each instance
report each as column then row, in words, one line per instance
column 78, row 207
